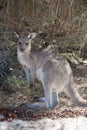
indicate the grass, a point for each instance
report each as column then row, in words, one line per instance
column 15, row 81
column 18, row 82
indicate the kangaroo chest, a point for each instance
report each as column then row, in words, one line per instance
column 27, row 62
column 23, row 59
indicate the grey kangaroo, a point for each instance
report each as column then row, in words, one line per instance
column 51, row 69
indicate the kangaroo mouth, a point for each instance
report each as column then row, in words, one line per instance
column 22, row 49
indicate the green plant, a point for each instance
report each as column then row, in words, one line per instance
column 15, row 81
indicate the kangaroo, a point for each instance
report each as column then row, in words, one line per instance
column 51, row 69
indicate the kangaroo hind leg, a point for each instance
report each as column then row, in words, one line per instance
column 39, row 99
column 51, row 97
column 54, row 99
column 50, row 100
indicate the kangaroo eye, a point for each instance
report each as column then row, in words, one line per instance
column 19, row 43
column 27, row 43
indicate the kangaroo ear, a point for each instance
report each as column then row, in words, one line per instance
column 17, row 35
column 32, row 35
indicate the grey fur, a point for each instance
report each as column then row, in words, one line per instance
column 51, row 69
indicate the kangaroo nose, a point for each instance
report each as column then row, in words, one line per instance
column 22, row 49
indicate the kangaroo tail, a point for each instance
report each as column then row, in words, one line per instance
column 73, row 93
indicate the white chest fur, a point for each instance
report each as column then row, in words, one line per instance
column 22, row 58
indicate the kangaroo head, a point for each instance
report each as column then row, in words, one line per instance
column 24, row 42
